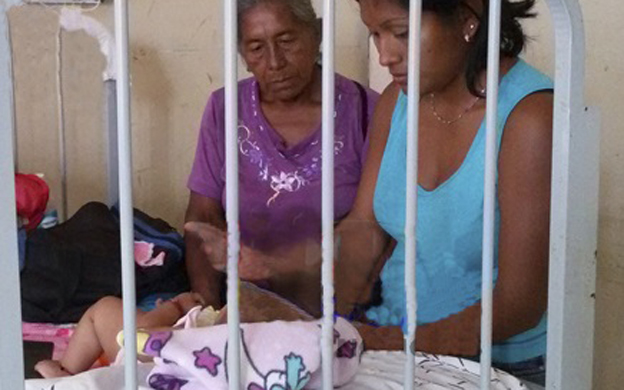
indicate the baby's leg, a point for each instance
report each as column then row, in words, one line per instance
column 51, row 369
column 95, row 333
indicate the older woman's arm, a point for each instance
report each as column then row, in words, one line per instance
column 204, row 278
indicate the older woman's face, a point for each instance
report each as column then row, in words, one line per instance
column 279, row 51
column 443, row 50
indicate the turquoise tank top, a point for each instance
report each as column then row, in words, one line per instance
column 450, row 227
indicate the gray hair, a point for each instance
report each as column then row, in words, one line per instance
column 302, row 10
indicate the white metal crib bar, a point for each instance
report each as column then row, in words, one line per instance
column 124, row 137
column 230, row 30
column 574, row 210
column 327, row 201
column 411, row 197
column 12, row 368
column 489, row 201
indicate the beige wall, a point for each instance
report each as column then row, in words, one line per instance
column 605, row 90
column 176, row 63
column 605, row 80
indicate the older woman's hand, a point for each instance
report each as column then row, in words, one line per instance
column 214, row 242
column 253, row 265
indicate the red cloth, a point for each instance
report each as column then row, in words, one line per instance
column 31, row 195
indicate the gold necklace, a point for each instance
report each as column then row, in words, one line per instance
column 450, row 121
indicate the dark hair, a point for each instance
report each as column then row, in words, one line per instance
column 513, row 39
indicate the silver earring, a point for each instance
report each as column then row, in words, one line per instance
column 467, row 38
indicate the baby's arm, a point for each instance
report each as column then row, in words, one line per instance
column 164, row 315
column 168, row 312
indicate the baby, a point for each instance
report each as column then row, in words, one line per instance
column 97, row 331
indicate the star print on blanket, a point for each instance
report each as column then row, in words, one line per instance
column 274, row 356
column 207, row 360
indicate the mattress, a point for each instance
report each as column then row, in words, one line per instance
column 380, row 370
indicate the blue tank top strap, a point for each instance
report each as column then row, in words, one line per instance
column 525, row 80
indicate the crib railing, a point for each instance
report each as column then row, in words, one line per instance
column 124, row 154
column 327, row 279
column 574, row 204
column 230, row 30
column 11, row 373
column 411, row 196
column 574, row 209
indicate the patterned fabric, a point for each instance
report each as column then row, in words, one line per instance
column 280, row 187
column 378, row 370
column 385, row 370
column 275, row 355
column 450, row 226
column 57, row 334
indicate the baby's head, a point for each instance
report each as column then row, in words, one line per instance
column 259, row 305
column 188, row 300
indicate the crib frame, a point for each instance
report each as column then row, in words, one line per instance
column 573, row 214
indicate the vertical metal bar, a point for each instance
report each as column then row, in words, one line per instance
column 12, row 368
column 61, row 125
column 13, row 123
column 574, row 210
column 125, row 192
column 411, row 197
column 327, row 336
column 112, row 160
column 231, row 182
column 489, row 201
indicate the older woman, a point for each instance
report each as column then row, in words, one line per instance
column 450, row 187
column 279, row 141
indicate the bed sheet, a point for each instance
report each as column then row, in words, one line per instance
column 379, row 370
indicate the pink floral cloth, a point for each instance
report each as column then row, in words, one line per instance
column 57, row 334
column 144, row 255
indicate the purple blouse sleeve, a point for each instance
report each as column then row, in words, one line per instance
column 206, row 175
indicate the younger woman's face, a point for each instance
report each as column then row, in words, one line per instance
column 443, row 48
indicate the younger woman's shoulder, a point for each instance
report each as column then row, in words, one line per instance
column 533, row 114
column 387, row 101
column 528, row 93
